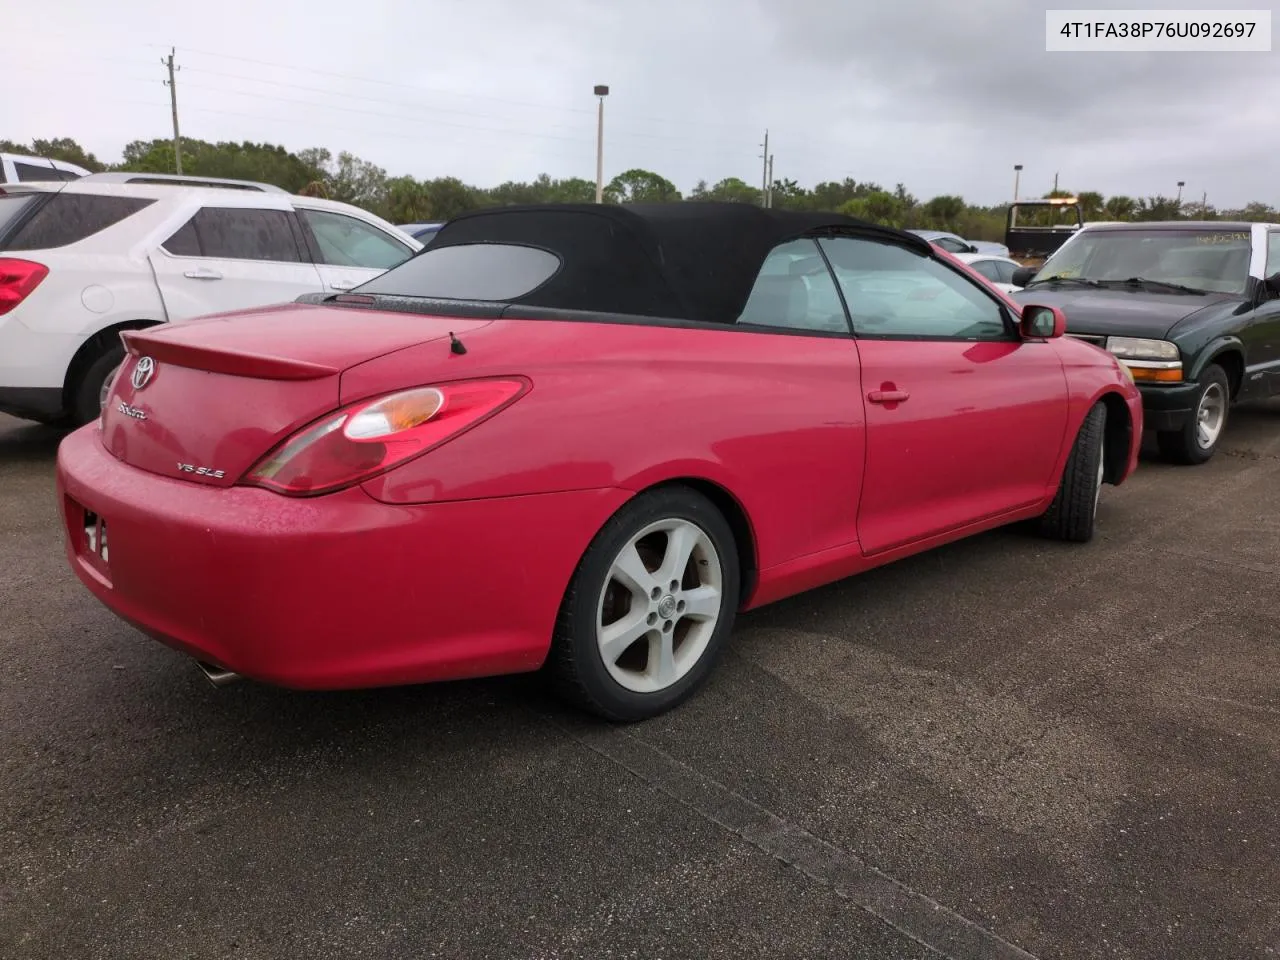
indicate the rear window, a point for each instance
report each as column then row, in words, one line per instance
column 12, row 206
column 468, row 271
column 39, row 173
column 71, row 217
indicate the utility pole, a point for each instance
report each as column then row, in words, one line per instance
column 764, row 172
column 173, row 104
column 768, row 194
column 1055, row 183
column 1017, row 177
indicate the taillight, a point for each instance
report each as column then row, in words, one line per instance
column 372, row 436
column 17, row 279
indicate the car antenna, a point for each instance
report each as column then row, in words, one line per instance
column 455, row 345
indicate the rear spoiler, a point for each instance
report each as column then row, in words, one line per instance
column 231, row 362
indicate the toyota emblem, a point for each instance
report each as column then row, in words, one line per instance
column 143, row 373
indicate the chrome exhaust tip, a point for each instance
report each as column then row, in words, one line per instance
column 216, row 675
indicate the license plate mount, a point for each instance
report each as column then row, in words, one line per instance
column 95, row 537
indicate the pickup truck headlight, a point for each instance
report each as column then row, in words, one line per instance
column 1155, row 361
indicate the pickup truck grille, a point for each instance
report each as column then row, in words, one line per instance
column 1090, row 338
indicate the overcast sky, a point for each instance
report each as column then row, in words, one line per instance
column 943, row 96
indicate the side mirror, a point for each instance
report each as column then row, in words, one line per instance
column 1272, row 285
column 1022, row 276
column 1042, row 323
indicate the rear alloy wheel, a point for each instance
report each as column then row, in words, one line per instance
column 1197, row 441
column 649, row 607
column 1073, row 513
column 91, row 392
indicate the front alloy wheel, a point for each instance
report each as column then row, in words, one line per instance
column 649, row 607
column 1197, row 441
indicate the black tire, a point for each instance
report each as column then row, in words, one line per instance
column 1184, row 446
column 576, row 665
column 85, row 403
column 1074, row 510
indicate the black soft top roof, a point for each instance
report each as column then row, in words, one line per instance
column 687, row 260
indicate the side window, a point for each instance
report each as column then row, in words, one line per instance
column 1273, row 253
column 237, row 233
column 184, row 243
column 899, row 293
column 67, row 218
column 988, row 268
column 347, row 242
column 952, row 244
column 1004, row 270
column 794, row 290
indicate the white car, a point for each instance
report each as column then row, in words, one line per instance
column 999, row 270
column 19, row 168
column 954, row 243
column 82, row 261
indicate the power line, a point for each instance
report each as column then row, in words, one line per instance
column 373, row 113
column 720, row 144
column 403, row 104
column 450, row 92
column 380, row 133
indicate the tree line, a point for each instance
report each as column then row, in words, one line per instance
column 405, row 199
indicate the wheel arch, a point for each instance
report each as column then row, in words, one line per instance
column 1117, row 438
column 1228, row 353
column 735, row 515
column 92, row 348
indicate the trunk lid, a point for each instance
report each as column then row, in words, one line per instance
column 205, row 399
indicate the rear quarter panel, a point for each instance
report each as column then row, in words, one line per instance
column 774, row 419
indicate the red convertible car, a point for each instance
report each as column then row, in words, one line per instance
column 580, row 439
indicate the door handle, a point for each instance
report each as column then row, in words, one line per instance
column 888, row 396
column 342, row 285
column 203, row 273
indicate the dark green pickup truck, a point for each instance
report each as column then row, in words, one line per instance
column 1191, row 308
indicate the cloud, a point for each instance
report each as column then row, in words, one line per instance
column 943, row 97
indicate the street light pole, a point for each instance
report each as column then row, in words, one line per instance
column 602, row 91
column 1017, row 176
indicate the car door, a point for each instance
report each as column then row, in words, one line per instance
column 349, row 251
column 231, row 256
column 965, row 420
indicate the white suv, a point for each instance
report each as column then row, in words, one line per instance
column 84, row 260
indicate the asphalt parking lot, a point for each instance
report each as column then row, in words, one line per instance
column 1004, row 748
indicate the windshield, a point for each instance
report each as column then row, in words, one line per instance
column 1211, row 260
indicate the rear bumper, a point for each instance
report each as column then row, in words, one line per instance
column 1167, row 406
column 33, row 358
column 31, row 403
column 332, row 592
